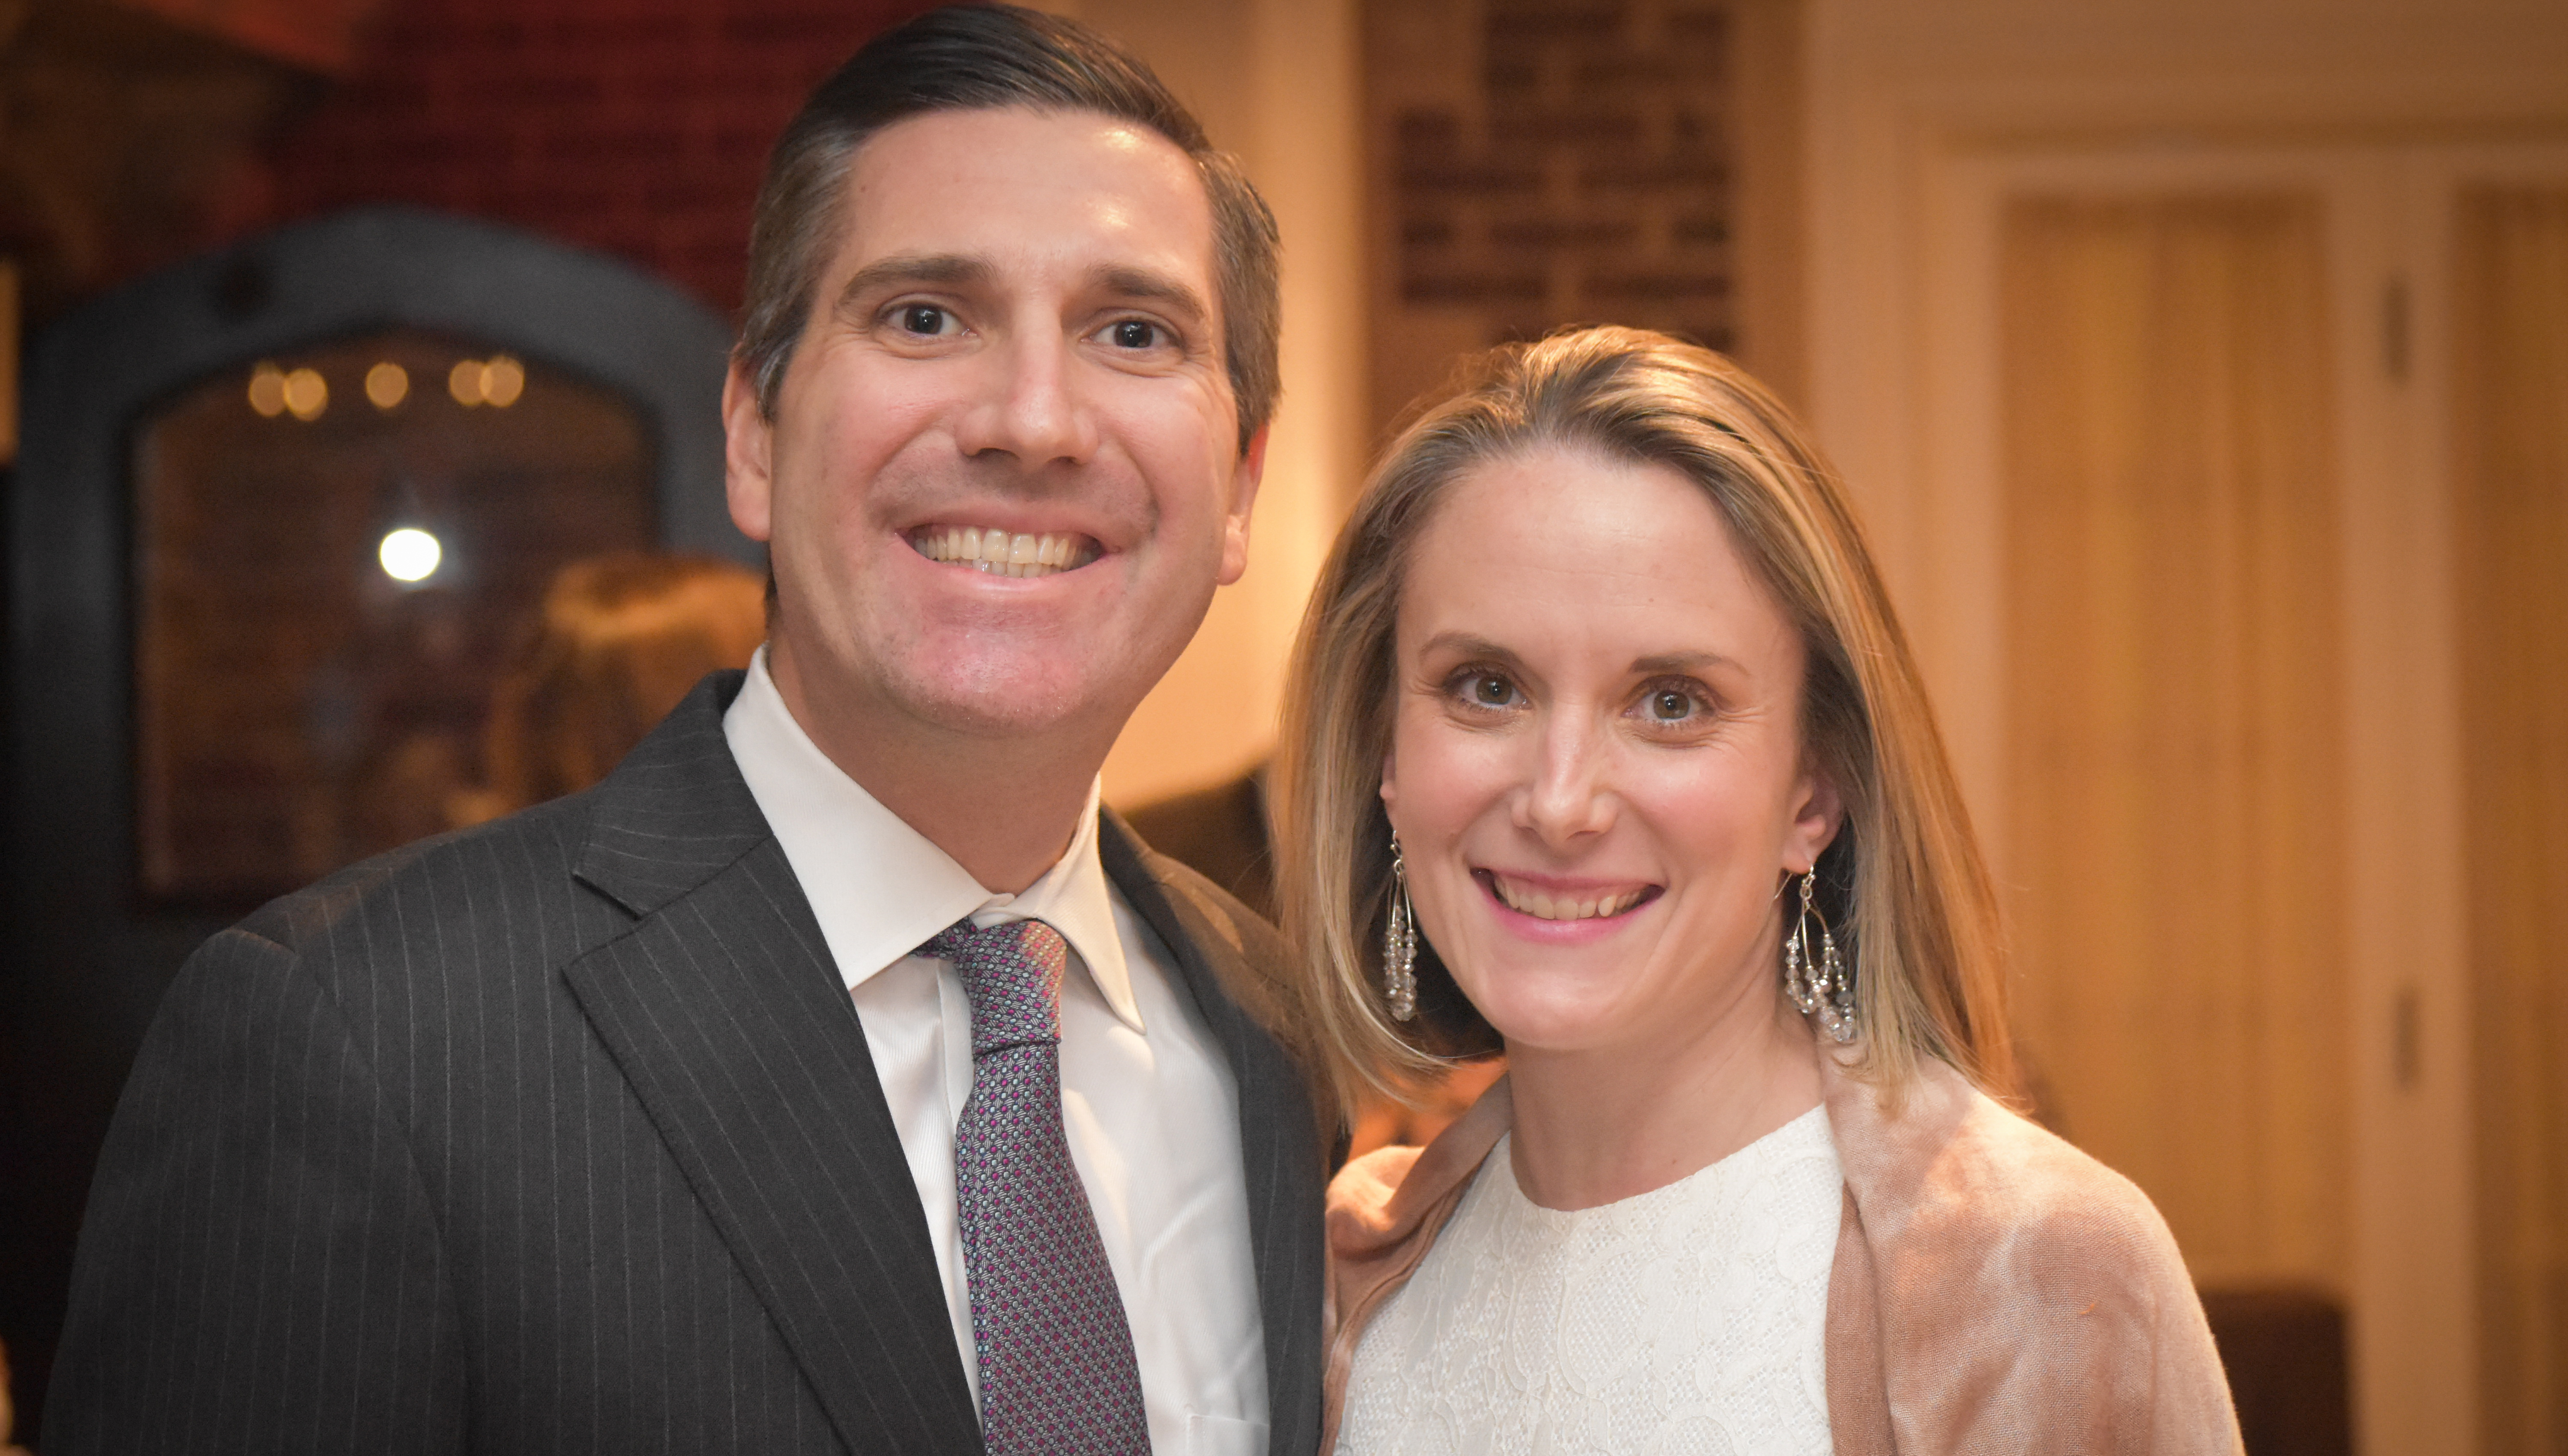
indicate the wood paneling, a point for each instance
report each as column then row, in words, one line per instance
column 2510, row 479
column 2173, row 707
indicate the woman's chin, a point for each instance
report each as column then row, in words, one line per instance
column 1564, row 1026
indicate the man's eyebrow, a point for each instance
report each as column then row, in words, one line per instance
column 1142, row 283
column 910, row 269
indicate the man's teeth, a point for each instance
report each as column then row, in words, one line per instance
column 1543, row 904
column 1004, row 554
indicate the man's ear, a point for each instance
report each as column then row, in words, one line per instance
column 1816, row 817
column 1244, row 480
column 749, row 456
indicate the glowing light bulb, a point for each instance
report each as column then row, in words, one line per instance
column 306, row 393
column 387, row 384
column 463, row 382
column 410, row 554
column 267, row 389
column 503, row 380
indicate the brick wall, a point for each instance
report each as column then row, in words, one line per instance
column 638, row 127
column 1540, row 163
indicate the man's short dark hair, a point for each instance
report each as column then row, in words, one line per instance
column 977, row 58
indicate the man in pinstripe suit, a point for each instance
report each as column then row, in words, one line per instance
column 629, row 1124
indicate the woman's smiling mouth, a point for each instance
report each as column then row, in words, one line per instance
column 1527, row 898
column 1005, row 553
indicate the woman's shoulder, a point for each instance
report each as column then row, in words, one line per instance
column 1944, row 1161
column 1983, row 1239
column 1974, row 1218
column 1385, row 1211
column 1394, row 1193
column 1361, row 1197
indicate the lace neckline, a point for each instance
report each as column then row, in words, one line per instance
column 1797, row 1136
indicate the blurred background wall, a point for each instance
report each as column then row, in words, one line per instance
column 2200, row 368
column 2160, row 341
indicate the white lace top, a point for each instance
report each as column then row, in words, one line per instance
column 1690, row 1318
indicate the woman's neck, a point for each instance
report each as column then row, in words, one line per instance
column 1596, row 1126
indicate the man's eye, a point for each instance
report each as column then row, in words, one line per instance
column 923, row 319
column 1136, row 334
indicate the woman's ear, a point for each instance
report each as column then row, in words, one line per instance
column 1390, row 781
column 1817, row 816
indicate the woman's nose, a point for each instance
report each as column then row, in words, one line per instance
column 1027, row 402
column 1567, row 796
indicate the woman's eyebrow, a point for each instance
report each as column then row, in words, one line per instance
column 1463, row 643
column 1680, row 662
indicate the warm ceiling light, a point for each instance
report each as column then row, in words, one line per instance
column 387, row 384
column 306, row 393
column 503, row 380
column 267, row 389
column 408, row 554
column 463, row 382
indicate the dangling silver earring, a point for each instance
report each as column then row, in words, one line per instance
column 1399, row 943
column 1818, row 984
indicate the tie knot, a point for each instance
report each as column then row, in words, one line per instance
column 1012, row 972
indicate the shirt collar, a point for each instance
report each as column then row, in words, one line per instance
column 879, row 888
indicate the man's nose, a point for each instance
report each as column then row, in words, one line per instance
column 1029, row 403
column 1567, row 794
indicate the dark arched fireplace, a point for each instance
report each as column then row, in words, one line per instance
column 277, row 514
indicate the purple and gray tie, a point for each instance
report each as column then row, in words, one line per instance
column 1056, row 1368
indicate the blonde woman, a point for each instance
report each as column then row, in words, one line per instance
column 1604, row 746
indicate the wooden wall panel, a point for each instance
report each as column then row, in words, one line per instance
column 2173, row 710
column 2510, row 477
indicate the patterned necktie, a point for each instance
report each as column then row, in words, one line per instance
column 1056, row 1368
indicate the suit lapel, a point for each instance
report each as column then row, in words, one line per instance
column 1278, row 1136
column 725, row 1016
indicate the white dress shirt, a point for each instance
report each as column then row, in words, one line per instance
column 1148, row 1101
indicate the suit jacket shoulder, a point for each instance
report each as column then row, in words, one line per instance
column 506, row 881
column 556, row 1132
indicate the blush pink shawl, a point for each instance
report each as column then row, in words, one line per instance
column 1995, row 1290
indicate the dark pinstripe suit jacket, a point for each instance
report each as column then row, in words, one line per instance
column 561, row 1134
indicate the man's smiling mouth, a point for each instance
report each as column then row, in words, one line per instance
column 1005, row 553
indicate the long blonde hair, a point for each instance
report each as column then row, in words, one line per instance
column 1903, row 881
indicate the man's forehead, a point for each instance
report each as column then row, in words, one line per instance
column 1111, row 169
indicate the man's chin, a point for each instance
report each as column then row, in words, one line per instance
column 988, row 686
column 996, row 700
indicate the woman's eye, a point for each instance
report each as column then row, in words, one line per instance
column 1135, row 333
column 1668, row 704
column 1488, row 690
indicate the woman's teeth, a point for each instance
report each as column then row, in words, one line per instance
column 1543, row 904
column 1001, row 553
